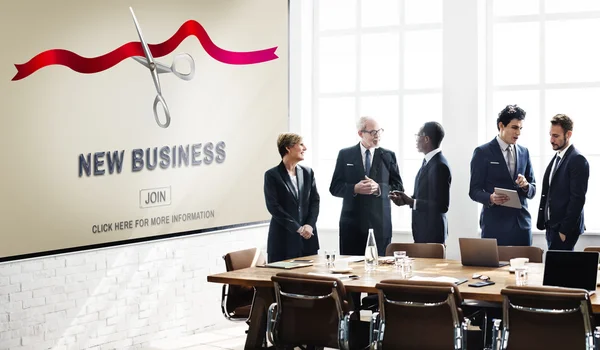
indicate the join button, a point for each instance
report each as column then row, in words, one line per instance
column 155, row 197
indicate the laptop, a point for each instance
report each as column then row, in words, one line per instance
column 571, row 269
column 480, row 252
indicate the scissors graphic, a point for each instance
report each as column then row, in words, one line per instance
column 158, row 68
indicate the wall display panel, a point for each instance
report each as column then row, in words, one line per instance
column 99, row 149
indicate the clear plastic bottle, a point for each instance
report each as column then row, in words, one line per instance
column 371, row 255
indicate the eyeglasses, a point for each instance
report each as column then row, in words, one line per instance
column 418, row 136
column 477, row 276
column 374, row 132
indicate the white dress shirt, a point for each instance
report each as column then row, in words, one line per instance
column 560, row 154
column 503, row 147
column 294, row 180
column 431, row 154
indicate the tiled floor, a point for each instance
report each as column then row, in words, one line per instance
column 226, row 335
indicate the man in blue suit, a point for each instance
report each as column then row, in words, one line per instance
column 564, row 188
column 431, row 196
column 504, row 164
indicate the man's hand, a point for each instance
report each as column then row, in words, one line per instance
column 407, row 199
column 363, row 187
column 374, row 185
column 366, row 186
column 498, row 199
column 308, row 231
column 396, row 198
column 562, row 236
column 522, row 182
column 302, row 231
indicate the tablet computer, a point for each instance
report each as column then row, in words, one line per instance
column 513, row 197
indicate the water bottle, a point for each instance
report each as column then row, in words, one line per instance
column 371, row 255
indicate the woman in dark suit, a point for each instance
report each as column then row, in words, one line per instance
column 293, row 201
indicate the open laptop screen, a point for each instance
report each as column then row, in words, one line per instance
column 571, row 269
column 479, row 252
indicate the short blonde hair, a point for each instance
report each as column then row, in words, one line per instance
column 285, row 140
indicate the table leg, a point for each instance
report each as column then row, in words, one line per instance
column 258, row 318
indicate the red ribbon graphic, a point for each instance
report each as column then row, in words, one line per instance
column 100, row 63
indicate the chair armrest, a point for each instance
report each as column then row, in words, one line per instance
column 344, row 331
column 376, row 331
column 224, row 294
column 496, row 334
column 462, row 336
column 271, row 315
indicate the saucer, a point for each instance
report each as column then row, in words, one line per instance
column 341, row 270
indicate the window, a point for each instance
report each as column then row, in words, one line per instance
column 381, row 58
column 542, row 56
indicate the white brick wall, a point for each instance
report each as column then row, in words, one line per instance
column 117, row 298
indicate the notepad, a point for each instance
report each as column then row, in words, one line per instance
column 286, row 265
column 439, row 279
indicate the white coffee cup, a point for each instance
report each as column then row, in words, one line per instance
column 518, row 262
column 341, row 264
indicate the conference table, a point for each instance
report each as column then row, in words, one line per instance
column 260, row 278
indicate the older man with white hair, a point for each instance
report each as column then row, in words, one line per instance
column 364, row 175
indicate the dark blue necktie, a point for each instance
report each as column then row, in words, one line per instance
column 367, row 162
column 422, row 167
column 555, row 167
column 547, row 208
column 419, row 176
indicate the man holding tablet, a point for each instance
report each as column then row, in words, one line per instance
column 503, row 164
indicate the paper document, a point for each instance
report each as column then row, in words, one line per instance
column 286, row 265
column 438, row 279
column 513, row 197
column 336, row 275
column 352, row 258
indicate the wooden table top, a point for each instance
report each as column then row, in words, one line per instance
column 261, row 276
